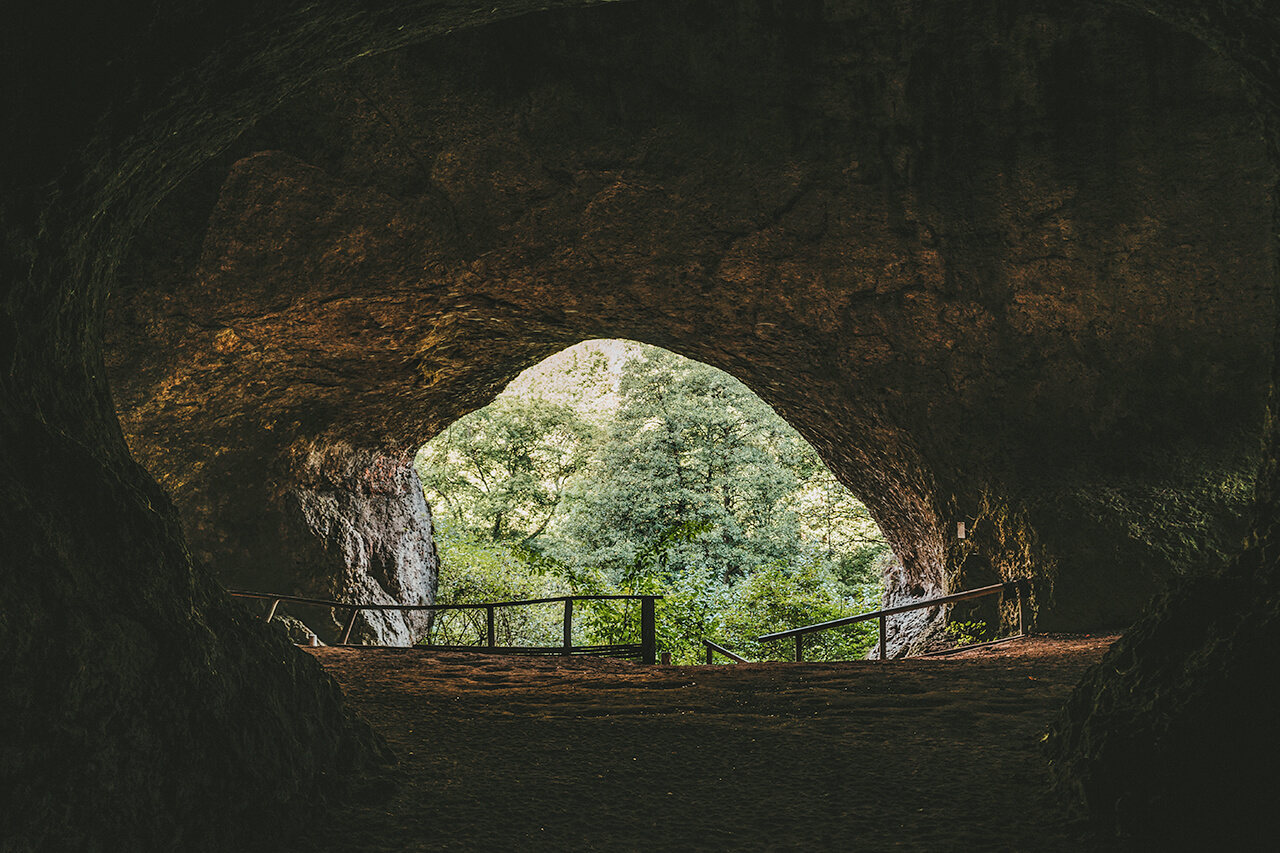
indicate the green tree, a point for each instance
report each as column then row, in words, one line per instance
column 838, row 525
column 685, row 615
column 476, row 570
column 779, row 597
column 501, row 471
column 688, row 445
column 693, row 489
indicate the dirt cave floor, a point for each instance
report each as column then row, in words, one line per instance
column 524, row 754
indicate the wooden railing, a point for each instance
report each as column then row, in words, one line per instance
column 1020, row 586
column 646, row 650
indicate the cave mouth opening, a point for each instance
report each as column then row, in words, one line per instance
column 619, row 467
column 329, row 301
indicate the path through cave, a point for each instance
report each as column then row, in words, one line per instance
column 920, row 755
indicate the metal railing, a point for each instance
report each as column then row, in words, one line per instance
column 646, row 649
column 714, row 648
column 1020, row 586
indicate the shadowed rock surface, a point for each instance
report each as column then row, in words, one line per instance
column 1003, row 263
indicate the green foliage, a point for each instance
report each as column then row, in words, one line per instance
column 968, row 632
column 477, row 570
column 694, row 608
column 837, row 522
column 779, row 597
column 698, row 604
column 669, row 479
column 688, row 445
column 501, row 471
column 860, row 567
column 686, row 613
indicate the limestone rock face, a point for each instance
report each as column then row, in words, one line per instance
column 912, row 629
column 357, row 528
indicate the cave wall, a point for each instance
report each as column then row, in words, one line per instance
column 143, row 709
column 1168, row 741
column 355, row 526
column 174, row 721
column 1000, row 263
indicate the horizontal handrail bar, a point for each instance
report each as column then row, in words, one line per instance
column 543, row 650
column 716, row 647
column 648, row 633
column 297, row 599
column 902, row 608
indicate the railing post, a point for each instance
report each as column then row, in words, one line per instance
column 1022, row 606
column 648, row 631
column 489, row 626
column 351, row 623
column 568, row 625
column 799, row 648
column 882, row 633
column 710, row 652
column 275, row 602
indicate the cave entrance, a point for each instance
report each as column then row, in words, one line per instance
column 383, row 252
column 618, row 467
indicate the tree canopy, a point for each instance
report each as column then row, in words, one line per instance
column 655, row 474
column 688, row 445
column 502, row 471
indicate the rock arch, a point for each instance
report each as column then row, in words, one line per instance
column 986, row 300
column 960, row 246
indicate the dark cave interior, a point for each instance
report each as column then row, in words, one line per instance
column 1006, row 263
